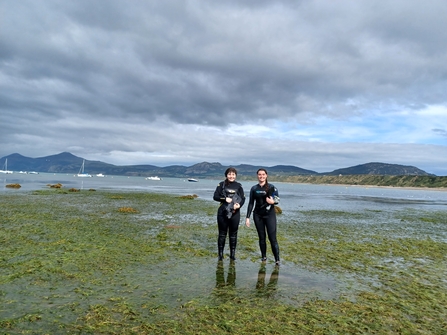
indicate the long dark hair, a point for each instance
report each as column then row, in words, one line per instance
column 227, row 171
column 266, row 186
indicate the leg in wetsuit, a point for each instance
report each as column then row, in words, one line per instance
column 263, row 223
column 231, row 226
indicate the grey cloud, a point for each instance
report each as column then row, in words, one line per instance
column 174, row 60
column 441, row 132
column 67, row 68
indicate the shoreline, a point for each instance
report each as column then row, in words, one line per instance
column 443, row 189
column 383, row 181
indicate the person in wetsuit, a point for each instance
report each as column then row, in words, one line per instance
column 266, row 196
column 231, row 196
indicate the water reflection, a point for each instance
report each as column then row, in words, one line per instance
column 220, row 275
column 271, row 286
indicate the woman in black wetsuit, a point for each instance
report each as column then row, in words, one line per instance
column 231, row 196
column 266, row 197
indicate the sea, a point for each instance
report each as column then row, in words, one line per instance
column 294, row 197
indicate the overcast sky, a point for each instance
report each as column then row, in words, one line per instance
column 320, row 85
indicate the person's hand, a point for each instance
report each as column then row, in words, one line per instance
column 228, row 200
column 270, row 200
column 237, row 206
column 247, row 222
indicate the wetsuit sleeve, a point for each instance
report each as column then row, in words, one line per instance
column 218, row 193
column 251, row 203
column 242, row 195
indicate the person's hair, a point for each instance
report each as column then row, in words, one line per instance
column 227, row 171
column 266, row 186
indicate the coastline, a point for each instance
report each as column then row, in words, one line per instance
column 385, row 181
column 443, row 189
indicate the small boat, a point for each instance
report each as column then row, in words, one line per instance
column 153, row 178
column 100, row 175
column 5, row 167
column 81, row 172
column 192, row 180
column 33, row 172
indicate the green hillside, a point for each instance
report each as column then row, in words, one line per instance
column 373, row 180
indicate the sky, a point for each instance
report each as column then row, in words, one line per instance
column 320, row 85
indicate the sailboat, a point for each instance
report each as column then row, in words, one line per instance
column 81, row 172
column 5, row 167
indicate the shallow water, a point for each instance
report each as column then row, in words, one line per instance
column 294, row 197
column 166, row 286
column 52, row 279
column 176, row 283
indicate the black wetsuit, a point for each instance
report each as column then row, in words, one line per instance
column 224, row 222
column 264, row 216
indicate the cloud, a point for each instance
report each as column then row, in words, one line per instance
column 166, row 79
column 441, row 132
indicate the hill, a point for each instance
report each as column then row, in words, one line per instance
column 426, row 181
column 66, row 162
column 379, row 169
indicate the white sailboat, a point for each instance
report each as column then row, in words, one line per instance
column 5, row 167
column 81, row 172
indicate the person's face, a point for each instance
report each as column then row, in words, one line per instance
column 231, row 176
column 262, row 176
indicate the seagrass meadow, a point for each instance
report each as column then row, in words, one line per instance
column 103, row 262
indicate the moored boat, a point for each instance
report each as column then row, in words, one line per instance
column 153, row 178
column 81, row 172
column 5, row 167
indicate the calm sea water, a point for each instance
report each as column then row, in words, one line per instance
column 294, row 197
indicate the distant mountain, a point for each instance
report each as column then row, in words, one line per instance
column 380, row 169
column 288, row 170
column 204, row 169
column 66, row 162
